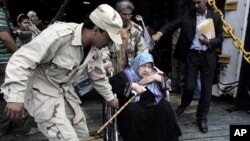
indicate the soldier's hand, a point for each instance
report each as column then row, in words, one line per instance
column 114, row 103
column 110, row 70
column 14, row 110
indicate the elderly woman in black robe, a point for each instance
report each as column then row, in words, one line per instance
column 149, row 117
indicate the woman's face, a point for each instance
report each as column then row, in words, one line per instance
column 34, row 19
column 24, row 25
column 145, row 70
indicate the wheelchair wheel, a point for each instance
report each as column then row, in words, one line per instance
column 110, row 132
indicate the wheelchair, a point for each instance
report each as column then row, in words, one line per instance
column 111, row 131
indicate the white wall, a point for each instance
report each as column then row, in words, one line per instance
column 238, row 20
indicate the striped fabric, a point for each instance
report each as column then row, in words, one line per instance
column 5, row 53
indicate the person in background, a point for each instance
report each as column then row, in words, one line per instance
column 36, row 25
column 116, row 56
column 7, row 44
column 22, row 32
column 199, row 54
column 39, row 76
column 23, row 126
column 149, row 117
column 7, row 48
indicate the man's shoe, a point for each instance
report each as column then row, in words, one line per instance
column 203, row 126
column 180, row 109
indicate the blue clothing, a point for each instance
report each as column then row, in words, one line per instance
column 196, row 45
column 131, row 73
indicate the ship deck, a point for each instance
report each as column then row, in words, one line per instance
column 222, row 114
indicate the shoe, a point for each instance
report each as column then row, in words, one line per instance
column 203, row 126
column 180, row 109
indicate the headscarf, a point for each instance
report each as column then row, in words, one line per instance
column 31, row 13
column 132, row 74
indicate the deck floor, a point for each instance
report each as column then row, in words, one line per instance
column 219, row 120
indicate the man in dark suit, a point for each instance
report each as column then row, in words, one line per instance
column 199, row 54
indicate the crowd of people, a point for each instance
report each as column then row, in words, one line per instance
column 40, row 64
column 11, row 40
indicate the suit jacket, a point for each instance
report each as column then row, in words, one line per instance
column 187, row 23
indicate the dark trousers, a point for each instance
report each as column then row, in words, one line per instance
column 4, row 122
column 2, row 73
column 197, row 62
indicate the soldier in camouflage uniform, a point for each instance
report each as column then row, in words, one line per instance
column 39, row 76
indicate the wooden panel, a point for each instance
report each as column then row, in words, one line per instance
column 231, row 6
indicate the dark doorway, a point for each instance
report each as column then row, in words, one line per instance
column 243, row 95
column 154, row 12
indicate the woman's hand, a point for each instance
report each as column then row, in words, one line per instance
column 147, row 80
column 150, row 79
column 138, row 88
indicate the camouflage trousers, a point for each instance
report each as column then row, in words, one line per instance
column 65, row 131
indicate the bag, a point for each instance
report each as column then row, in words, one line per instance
column 83, row 85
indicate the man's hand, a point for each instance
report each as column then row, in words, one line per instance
column 114, row 103
column 156, row 37
column 204, row 40
column 14, row 110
